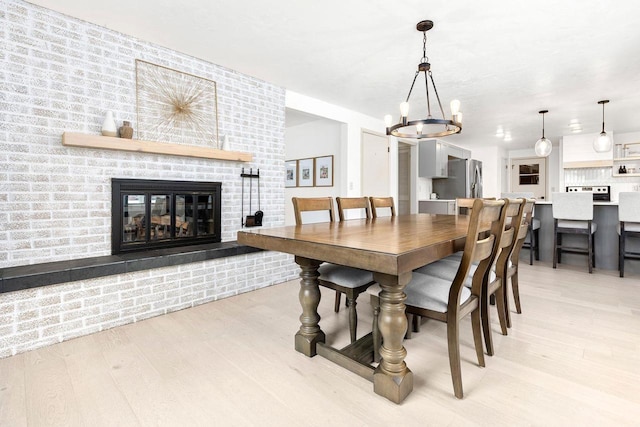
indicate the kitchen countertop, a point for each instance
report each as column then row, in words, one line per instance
column 436, row 200
column 595, row 203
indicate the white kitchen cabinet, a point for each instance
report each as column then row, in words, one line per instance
column 447, row 207
column 434, row 156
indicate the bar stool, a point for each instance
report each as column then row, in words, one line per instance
column 533, row 232
column 573, row 214
column 629, row 226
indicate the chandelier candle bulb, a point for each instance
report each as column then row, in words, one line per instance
column 455, row 107
column 388, row 120
column 404, row 109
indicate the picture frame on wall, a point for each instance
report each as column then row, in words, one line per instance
column 291, row 173
column 305, row 172
column 324, row 171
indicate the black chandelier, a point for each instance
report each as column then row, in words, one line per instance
column 415, row 129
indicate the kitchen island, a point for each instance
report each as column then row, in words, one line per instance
column 605, row 214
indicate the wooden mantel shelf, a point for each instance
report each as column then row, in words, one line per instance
column 71, row 139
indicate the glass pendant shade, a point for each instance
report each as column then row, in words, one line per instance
column 602, row 143
column 543, row 147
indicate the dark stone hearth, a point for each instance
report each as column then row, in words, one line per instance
column 52, row 273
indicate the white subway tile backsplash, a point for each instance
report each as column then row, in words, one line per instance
column 601, row 176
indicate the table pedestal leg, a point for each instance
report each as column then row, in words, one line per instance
column 392, row 379
column 310, row 333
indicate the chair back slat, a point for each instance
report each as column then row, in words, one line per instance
column 308, row 204
column 483, row 249
column 345, row 203
column 381, row 202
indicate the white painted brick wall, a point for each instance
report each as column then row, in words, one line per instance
column 60, row 74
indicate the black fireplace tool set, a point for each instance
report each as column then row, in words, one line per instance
column 254, row 220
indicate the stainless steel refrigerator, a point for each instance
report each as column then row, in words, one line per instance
column 464, row 180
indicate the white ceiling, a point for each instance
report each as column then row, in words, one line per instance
column 504, row 60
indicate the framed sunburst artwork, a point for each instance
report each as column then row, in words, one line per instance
column 176, row 107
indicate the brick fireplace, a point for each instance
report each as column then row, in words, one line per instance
column 62, row 75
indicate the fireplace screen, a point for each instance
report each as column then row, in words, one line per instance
column 152, row 214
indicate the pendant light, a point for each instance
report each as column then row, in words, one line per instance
column 543, row 145
column 428, row 127
column 603, row 142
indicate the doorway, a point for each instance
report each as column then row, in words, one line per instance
column 375, row 164
column 529, row 175
column 404, row 178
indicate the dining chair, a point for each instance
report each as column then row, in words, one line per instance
column 380, row 203
column 533, row 237
column 351, row 203
column 346, row 203
column 494, row 285
column 511, row 270
column 344, row 280
column 573, row 214
column 464, row 205
column 628, row 226
column 450, row 301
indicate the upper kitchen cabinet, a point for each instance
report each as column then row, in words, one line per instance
column 578, row 152
column 434, row 156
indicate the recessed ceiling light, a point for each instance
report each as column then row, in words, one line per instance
column 507, row 137
column 575, row 123
column 576, row 129
column 500, row 132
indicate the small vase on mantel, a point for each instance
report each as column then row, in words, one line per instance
column 109, row 125
column 126, row 131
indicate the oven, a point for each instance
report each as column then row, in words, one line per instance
column 601, row 193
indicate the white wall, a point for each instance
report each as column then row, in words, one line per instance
column 355, row 123
column 316, row 139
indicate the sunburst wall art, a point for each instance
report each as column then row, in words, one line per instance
column 175, row 107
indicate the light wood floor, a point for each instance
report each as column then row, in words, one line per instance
column 571, row 359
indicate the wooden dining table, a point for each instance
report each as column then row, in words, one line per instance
column 391, row 248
